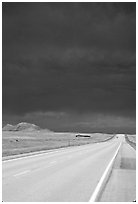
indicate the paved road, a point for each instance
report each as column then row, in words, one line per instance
column 121, row 187
column 66, row 175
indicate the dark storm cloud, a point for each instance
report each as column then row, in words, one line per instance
column 62, row 24
column 77, row 82
column 76, row 57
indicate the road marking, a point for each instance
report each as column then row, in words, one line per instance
column 42, row 168
column 99, row 185
column 36, row 155
column 72, row 149
column 41, row 153
column 45, row 153
column 21, row 173
column 30, row 156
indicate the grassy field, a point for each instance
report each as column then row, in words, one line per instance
column 132, row 138
column 20, row 142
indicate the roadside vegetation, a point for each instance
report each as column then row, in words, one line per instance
column 131, row 139
column 19, row 142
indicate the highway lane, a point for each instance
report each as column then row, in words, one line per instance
column 68, row 175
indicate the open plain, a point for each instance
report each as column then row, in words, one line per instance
column 19, row 142
column 84, row 173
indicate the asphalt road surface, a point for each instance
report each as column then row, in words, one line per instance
column 64, row 175
column 121, row 186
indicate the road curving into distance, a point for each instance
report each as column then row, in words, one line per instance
column 73, row 174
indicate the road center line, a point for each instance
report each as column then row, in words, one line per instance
column 42, row 168
column 21, row 173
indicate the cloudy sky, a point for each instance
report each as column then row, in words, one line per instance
column 70, row 66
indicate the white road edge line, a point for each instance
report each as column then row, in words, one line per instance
column 51, row 153
column 29, row 156
column 99, row 185
column 41, row 153
column 23, row 172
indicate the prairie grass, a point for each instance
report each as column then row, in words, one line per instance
column 132, row 138
column 14, row 143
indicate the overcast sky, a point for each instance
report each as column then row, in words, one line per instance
column 70, row 66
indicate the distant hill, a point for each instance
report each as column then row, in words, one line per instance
column 8, row 127
column 23, row 126
column 26, row 126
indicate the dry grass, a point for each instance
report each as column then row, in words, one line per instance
column 20, row 142
column 132, row 138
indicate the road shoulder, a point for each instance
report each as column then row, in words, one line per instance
column 121, row 186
